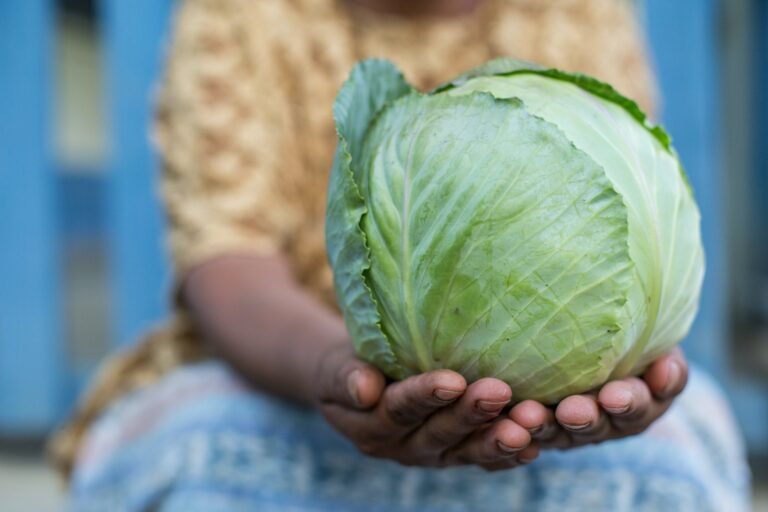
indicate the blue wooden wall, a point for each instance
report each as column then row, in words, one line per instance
column 31, row 349
column 36, row 373
column 760, row 141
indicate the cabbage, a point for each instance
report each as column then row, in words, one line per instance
column 519, row 222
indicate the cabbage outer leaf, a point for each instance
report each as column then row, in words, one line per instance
column 371, row 85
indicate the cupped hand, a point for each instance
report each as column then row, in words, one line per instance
column 433, row 419
column 620, row 408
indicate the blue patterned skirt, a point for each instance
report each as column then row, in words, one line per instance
column 200, row 440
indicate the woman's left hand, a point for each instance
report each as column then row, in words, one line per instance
column 620, row 408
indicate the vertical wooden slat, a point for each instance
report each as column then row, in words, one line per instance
column 749, row 392
column 760, row 142
column 31, row 355
column 134, row 32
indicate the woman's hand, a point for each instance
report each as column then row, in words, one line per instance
column 433, row 419
column 257, row 318
column 436, row 420
column 620, row 408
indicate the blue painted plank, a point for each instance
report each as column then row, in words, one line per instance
column 134, row 32
column 31, row 352
column 750, row 394
column 683, row 37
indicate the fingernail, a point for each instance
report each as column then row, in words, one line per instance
column 488, row 406
column 352, row 387
column 447, row 395
column 617, row 410
column 621, row 396
column 536, row 430
column 576, row 427
column 506, row 448
column 673, row 377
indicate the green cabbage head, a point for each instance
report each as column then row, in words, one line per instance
column 518, row 222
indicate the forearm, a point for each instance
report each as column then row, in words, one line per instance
column 254, row 316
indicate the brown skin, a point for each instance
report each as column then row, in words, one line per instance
column 260, row 320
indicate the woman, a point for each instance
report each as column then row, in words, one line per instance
column 234, row 404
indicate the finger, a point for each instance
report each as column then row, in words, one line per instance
column 560, row 440
column 526, row 456
column 482, row 402
column 667, row 376
column 502, row 440
column 541, row 423
column 626, row 400
column 346, row 380
column 629, row 404
column 582, row 417
column 411, row 401
column 536, row 418
column 402, row 404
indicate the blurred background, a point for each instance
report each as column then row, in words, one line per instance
column 82, row 264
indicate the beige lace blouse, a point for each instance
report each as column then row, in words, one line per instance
column 245, row 125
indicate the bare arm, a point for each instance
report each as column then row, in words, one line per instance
column 258, row 319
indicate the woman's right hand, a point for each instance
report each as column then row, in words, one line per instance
column 432, row 419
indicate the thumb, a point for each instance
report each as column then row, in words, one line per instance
column 345, row 380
